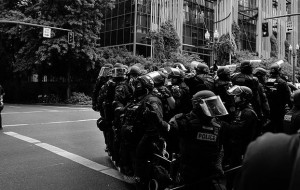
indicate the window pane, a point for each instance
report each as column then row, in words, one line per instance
column 114, row 23
column 120, row 36
column 121, row 22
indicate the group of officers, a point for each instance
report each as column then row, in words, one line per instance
column 203, row 118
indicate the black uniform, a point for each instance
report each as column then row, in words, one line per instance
column 241, row 131
column 291, row 123
column 200, row 145
column 251, row 82
column 278, row 95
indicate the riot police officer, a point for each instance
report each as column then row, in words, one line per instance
column 246, row 78
column 244, row 127
column 180, row 91
column 133, row 72
column 103, row 77
column 278, row 94
column 261, row 75
column 222, row 84
column 200, row 144
column 141, row 128
column 163, row 93
column 292, row 118
column 202, row 80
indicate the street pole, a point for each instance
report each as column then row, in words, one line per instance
column 293, row 68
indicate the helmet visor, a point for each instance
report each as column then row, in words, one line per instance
column 104, row 72
column 235, row 90
column 118, row 72
column 213, row 106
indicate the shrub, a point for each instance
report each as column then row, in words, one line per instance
column 79, row 98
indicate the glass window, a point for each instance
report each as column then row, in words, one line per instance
column 120, row 36
column 121, row 22
column 114, row 23
column 127, row 35
column 127, row 20
column 108, row 13
column 128, row 6
column 141, row 50
column 142, row 20
column 121, row 8
column 113, row 37
column 101, row 39
column 108, row 25
column 107, row 39
column 115, row 10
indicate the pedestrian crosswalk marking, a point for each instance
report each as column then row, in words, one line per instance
column 73, row 157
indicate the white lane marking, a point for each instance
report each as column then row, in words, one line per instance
column 49, row 123
column 113, row 173
column 22, row 137
column 73, row 157
column 15, row 106
column 45, row 111
column 80, row 160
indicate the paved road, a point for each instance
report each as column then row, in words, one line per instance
column 54, row 147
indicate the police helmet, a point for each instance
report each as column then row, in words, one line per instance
column 296, row 98
column 243, row 91
column 246, row 67
column 144, row 82
column 158, row 77
column 223, row 71
column 175, row 73
column 180, row 66
column 134, row 70
column 194, row 65
column 108, row 65
column 119, row 71
column 210, row 104
column 275, row 68
column 118, row 65
column 202, row 68
column 260, row 71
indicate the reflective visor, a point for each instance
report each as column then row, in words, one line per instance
column 235, row 90
column 213, row 106
column 118, row 72
column 104, row 72
column 154, row 74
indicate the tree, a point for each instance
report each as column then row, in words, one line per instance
column 224, row 48
column 166, row 41
column 274, row 46
column 32, row 52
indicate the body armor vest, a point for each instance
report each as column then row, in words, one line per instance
column 200, row 148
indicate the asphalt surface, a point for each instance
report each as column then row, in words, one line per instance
column 54, row 147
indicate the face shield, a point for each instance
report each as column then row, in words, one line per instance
column 105, row 72
column 118, row 72
column 212, row 106
column 235, row 90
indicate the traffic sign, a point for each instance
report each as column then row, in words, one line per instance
column 47, row 32
column 289, row 26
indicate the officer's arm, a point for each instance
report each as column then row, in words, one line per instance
column 250, row 123
column 157, row 108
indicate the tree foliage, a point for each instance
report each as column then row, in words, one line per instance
column 166, row 42
column 274, row 46
column 224, row 48
column 32, row 52
column 236, row 33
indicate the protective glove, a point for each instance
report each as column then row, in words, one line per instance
column 165, row 92
column 176, row 91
